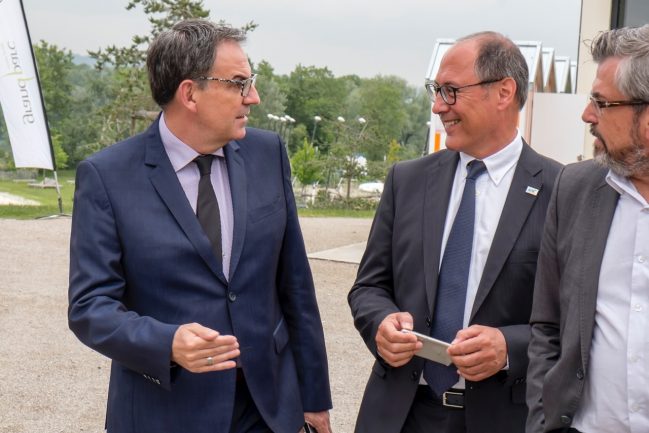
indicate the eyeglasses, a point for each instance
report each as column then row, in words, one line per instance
column 448, row 92
column 245, row 85
column 599, row 105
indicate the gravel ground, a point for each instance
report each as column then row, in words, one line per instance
column 54, row 384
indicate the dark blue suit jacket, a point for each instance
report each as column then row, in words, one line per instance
column 140, row 266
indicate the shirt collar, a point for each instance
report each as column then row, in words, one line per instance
column 624, row 186
column 180, row 154
column 500, row 162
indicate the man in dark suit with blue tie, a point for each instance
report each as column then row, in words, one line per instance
column 188, row 266
column 452, row 254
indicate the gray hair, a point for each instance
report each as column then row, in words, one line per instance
column 186, row 51
column 631, row 44
column 499, row 57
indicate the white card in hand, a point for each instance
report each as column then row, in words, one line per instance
column 433, row 349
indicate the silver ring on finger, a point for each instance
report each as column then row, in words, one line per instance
column 210, row 361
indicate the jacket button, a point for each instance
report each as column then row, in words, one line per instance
column 415, row 375
column 428, row 321
column 565, row 419
column 232, row 296
column 580, row 374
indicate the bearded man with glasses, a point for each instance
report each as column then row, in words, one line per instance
column 187, row 265
column 590, row 339
column 452, row 254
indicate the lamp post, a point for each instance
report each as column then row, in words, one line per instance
column 289, row 127
column 316, row 119
column 282, row 125
column 353, row 159
column 363, row 122
column 340, row 120
column 427, row 142
column 272, row 119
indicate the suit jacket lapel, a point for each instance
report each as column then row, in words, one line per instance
column 594, row 232
column 238, row 190
column 437, row 193
column 515, row 211
column 166, row 184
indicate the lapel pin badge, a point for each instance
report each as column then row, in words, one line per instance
column 532, row 191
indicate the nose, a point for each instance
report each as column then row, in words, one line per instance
column 439, row 106
column 589, row 115
column 253, row 97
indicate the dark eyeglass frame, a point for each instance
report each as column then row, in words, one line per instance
column 433, row 88
column 245, row 85
column 600, row 104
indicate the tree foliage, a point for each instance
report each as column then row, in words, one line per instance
column 92, row 107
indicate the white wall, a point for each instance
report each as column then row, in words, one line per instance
column 557, row 128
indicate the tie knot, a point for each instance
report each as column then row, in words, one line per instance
column 204, row 163
column 474, row 169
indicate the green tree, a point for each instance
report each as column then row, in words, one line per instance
column 315, row 91
column 413, row 134
column 382, row 104
column 54, row 68
column 60, row 156
column 306, row 166
column 273, row 97
column 132, row 94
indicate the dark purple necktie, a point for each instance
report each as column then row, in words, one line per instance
column 207, row 207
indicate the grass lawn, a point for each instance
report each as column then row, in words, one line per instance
column 46, row 196
column 49, row 201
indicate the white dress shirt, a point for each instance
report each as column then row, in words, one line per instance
column 491, row 192
column 182, row 160
column 616, row 391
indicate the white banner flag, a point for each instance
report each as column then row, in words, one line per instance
column 20, row 94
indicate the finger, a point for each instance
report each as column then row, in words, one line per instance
column 396, row 359
column 465, row 347
column 201, row 331
column 221, row 362
column 469, row 360
column 404, row 321
column 213, row 352
column 403, row 345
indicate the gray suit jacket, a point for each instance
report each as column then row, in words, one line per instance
column 399, row 272
column 563, row 316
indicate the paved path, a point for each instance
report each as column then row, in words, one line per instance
column 51, row 383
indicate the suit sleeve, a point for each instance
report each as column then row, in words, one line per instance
column 544, row 349
column 97, row 313
column 300, row 308
column 371, row 298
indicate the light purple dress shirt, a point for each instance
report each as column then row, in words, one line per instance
column 182, row 160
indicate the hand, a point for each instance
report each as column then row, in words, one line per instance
column 319, row 421
column 479, row 352
column 395, row 347
column 194, row 343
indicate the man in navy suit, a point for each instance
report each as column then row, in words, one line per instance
column 206, row 334
column 478, row 92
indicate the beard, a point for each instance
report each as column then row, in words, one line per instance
column 630, row 161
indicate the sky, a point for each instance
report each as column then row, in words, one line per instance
column 362, row 37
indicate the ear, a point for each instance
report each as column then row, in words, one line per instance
column 186, row 94
column 506, row 93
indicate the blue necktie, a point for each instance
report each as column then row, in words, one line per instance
column 453, row 278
